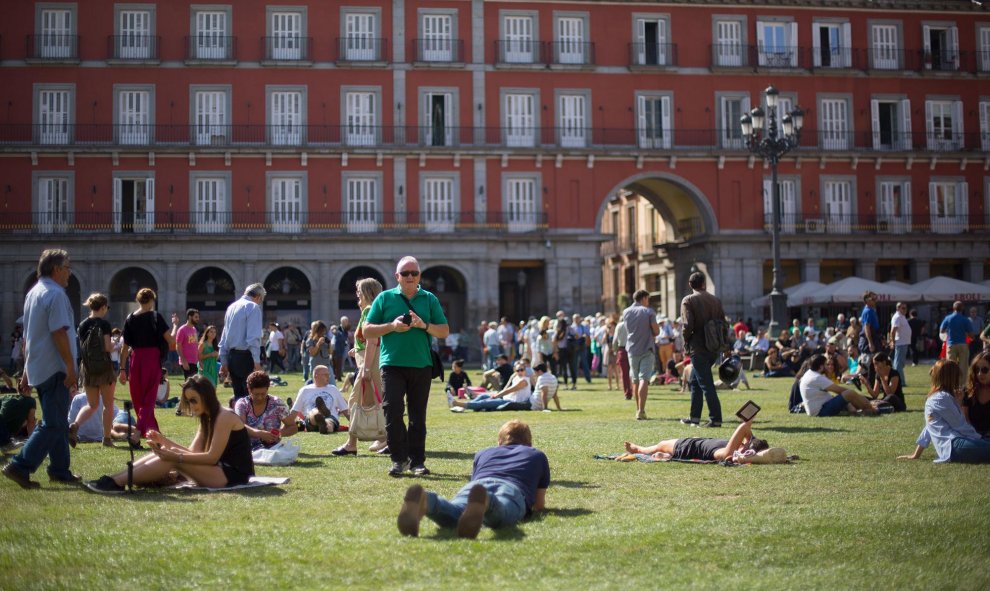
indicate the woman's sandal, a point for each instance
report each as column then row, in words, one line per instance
column 343, row 451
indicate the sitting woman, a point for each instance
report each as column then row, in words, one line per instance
column 887, row 385
column 515, row 395
column 976, row 405
column 219, row 456
column 265, row 417
column 705, row 449
column 774, row 367
column 789, row 350
column 945, row 425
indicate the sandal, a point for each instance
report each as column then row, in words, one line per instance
column 343, row 451
column 107, row 442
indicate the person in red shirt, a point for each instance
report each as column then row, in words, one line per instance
column 187, row 343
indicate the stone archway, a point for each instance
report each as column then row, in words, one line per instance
column 289, row 298
column 450, row 287
column 73, row 290
column 123, row 288
column 347, row 302
column 210, row 290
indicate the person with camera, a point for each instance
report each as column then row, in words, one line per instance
column 406, row 317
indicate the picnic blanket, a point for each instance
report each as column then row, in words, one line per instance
column 254, row 482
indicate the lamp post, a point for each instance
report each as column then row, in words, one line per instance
column 770, row 142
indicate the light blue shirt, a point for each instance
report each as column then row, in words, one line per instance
column 944, row 421
column 956, row 327
column 92, row 429
column 46, row 310
column 242, row 329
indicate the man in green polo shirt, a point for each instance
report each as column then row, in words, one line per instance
column 405, row 361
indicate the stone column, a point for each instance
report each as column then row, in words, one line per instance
column 812, row 270
column 324, row 307
column 973, row 270
column 173, row 291
column 920, row 269
column 866, row 269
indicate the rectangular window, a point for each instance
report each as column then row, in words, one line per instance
column 788, row 204
column 134, row 117
column 210, row 123
column 57, row 38
column 949, row 206
column 361, row 121
column 286, row 204
column 777, row 44
column 891, row 124
column 834, row 124
column 210, row 40
column 832, row 45
column 985, row 126
column 651, row 47
column 53, row 214
column 838, row 206
column 731, row 109
column 520, row 120
column 286, row 41
column 134, row 39
column 571, row 46
column 438, row 118
column 209, row 214
column 894, row 207
column 361, row 205
column 885, row 51
column 943, row 121
column 438, row 204
column 654, row 128
column 521, row 207
column 983, row 48
column 941, row 47
column 519, row 43
column 286, row 118
column 133, row 204
column 572, row 120
column 438, row 38
column 729, row 51
column 54, row 116
column 360, row 43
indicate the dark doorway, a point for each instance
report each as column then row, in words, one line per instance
column 521, row 290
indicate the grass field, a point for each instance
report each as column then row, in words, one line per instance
column 847, row 515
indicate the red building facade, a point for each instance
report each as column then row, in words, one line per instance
column 196, row 148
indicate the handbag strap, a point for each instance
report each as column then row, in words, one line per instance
column 429, row 339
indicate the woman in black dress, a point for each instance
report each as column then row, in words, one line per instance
column 976, row 404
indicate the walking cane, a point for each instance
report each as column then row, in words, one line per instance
column 130, row 464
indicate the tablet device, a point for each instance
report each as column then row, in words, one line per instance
column 748, row 411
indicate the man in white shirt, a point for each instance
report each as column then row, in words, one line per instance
column 900, row 336
column 276, row 347
column 545, row 390
column 815, row 389
column 320, row 404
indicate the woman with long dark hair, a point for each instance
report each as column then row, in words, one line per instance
column 208, row 354
column 219, row 455
column 976, row 403
column 145, row 337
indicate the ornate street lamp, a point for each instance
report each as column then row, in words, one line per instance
column 770, row 136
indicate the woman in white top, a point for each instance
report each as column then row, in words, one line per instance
column 515, row 396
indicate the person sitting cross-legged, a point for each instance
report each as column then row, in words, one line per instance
column 320, row 404
column 818, row 402
column 508, row 483
column 497, row 377
column 515, row 396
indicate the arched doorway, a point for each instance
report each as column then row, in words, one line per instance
column 451, row 289
column 289, row 298
column 347, row 303
column 73, row 290
column 210, row 290
column 123, row 288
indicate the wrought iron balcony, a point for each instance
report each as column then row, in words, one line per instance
column 572, row 53
column 133, row 47
column 438, row 50
column 830, row 224
column 647, row 55
column 268, row 222
column 287, row 49
column 211, row 48
column 54, row 47
column 520, row 52
column 362, row 49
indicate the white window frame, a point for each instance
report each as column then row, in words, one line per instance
column 211, row 217
column 286, row 45
column 944, row 221
column 730, row 52
column 660, row 53
column 790, row 191
column 949, row 61
column 902, row 138
column 646, row 129
column 841, row 190
column 215, row 43
column 520, row 133
column 437, row 44
column 835, row 121
column 131, row 126
column 57, row 219
column 774, row 53
column 983, row 47
column 936, row 109
column 286, row 213
column 450, row 128
column 54, row 128
column 839, row 56
column 727, row 124
column 143, row 210
column 132, row 44
column 211, row 128
column 517, row 48
column 361, row 108
column 286, row 128
column 60, row 43
column 886, row 54
column 521, row 210
column 573, row 115
column 360, row 45
column 984, row 114
column 362, row 201
column 893, row 216
column 571, row 38
column 439, row 201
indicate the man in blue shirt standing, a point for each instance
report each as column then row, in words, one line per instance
column 953, row 331
column 50, row 367
column 869, row 338
column 240, row 344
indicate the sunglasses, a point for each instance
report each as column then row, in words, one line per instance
column 521, row 369
column 982, row 369
column 409, row 273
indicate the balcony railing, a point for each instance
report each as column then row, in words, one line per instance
column 519, row 52
column 438, row 50
column 874, row 224
column 211, row 48
column 442, row 136
column 362, row 49
column 267, row 222
column 572, row 53
column 133, row 47
column 53, row 46
column 652, row 54
column 289, row 49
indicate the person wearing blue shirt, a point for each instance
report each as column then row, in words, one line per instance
column 240, row 343
column 869, row 338
column 508, row 483
column 954, row 330
column 946, row 427
column 50, row 367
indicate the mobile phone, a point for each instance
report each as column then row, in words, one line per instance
column 748, row 411
column 407, row 319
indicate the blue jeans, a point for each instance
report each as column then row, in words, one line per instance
column 493, row 352
column 970, row 451
column 585, row 360
column 900, row 358
column 703, row 385
column 486, row 402
column 506, row 504
column 51, row 436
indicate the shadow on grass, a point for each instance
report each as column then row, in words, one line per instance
column 802, row 429
column 560, row 512
column 573, row 484
column 450, row 455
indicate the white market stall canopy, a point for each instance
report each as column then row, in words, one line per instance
column 947, row 289
column 797, row 295
column 850, row 290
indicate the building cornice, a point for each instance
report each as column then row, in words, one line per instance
column 898, row 5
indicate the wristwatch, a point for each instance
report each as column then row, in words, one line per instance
column 426, row 326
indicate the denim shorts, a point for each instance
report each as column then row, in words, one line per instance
column 833, row 407
column 641, row 367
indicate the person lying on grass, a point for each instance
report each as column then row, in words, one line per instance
column 818, row 402
column 705, row 449
column 508, row 483
column 91, row 430
column 514, row 396
column 219, row 456
column 946, row 427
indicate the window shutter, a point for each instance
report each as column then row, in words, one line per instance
column 907, row 141
column 957, row 123
column 816, row 44
column 926, row 41
column 665, row 119
column 761, row 40
column 875, row 115
column 962, row 200
column 954, row 46
column 150, row 201
column 641, row 120
column 929, row 125
column 907, row 198
column 846, row 48
column 792, row 42
column 932, row 203
column 662, row 42
column 117, row 205
column 985, row 125
column 640, row 41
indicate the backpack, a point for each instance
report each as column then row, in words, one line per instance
column 718, row 335
column 94, row 357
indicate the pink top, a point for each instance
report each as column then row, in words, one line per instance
column 187, row 344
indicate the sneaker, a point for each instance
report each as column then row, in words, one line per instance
column 321, row 423
column 709, row 424
column 420, row 470
column 640, row 415
column 469, row 523
column 70, row 479
column 692, row 422
column 343, row 451
column 450, row 400
column 105, row 486
column 321, row 406
column 398, row 468
column 412, row 511
column 456, row 409
column 20, row 477
column 383, row 451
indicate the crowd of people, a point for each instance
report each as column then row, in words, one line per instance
column 394, row 357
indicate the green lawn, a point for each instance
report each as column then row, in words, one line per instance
column 847, row 515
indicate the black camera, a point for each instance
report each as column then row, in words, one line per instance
column 407, row 319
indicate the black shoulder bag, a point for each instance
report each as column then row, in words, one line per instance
column 437, row 363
